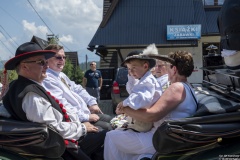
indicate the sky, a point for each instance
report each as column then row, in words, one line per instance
column 73, row 21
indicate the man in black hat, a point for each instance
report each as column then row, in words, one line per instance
column 27, row 100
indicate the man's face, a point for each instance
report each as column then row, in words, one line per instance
column 57, row 62
column 35, row 68
column 93, row 66
column 160, row 68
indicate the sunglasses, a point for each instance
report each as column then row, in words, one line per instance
column 40, row 62
column 91, row 64
column 60, row 57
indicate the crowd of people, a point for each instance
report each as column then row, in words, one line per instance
column 42, row 93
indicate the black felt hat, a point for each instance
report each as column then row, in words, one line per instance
column 142, row 55
column 26, row 50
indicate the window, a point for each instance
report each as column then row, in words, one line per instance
column 213, row 2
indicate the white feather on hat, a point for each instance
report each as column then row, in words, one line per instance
column 151, row 49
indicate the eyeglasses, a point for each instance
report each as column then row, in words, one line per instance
column 40, row 62
column 91, row 64
column 160, row 66
column 60, row 57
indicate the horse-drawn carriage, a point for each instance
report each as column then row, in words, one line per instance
column 212, row 133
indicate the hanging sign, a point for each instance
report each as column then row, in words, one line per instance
column 183, row 32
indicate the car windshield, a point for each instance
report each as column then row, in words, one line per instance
column 122, row 76
column 106, row 73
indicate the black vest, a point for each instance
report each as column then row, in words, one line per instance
column 17, row 91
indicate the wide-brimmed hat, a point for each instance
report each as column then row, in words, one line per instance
column 26, row 50
column 163, row 58
column 142, row 55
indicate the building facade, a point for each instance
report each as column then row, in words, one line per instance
column 130, row 25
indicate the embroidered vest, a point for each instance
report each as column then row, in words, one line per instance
column 14, row 98
column 17, row 91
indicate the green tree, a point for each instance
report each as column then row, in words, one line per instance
column 68, row 69
column 75, row 74
column 11, row 75
column 78, row 75
column 52, row 39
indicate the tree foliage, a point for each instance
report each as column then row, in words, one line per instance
column 75, row 74
column 68, row 68
column 11, row 74
column 78, row 75
column 53, row 39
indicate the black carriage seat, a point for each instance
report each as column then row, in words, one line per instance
column 30, row 139
column 215, row 114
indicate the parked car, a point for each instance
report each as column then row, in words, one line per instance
column 119, row 92
column 108, row 75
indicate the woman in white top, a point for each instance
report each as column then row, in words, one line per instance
column 177, row 101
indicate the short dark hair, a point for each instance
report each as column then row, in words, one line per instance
column 183, row 62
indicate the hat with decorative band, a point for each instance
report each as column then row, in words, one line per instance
column 26, row 50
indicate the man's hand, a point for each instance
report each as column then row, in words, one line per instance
column 90, row 127
column 93, row 118
column 95, row 109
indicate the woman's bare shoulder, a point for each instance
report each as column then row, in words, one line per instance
column 177, row 86
column 174, row 94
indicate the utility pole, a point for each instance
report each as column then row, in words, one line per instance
column 52, row 39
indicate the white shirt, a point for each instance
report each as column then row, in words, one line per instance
column 144, row 93
column 74, row 97
column 130, row 83
column 163, row 82
column 41, row 111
